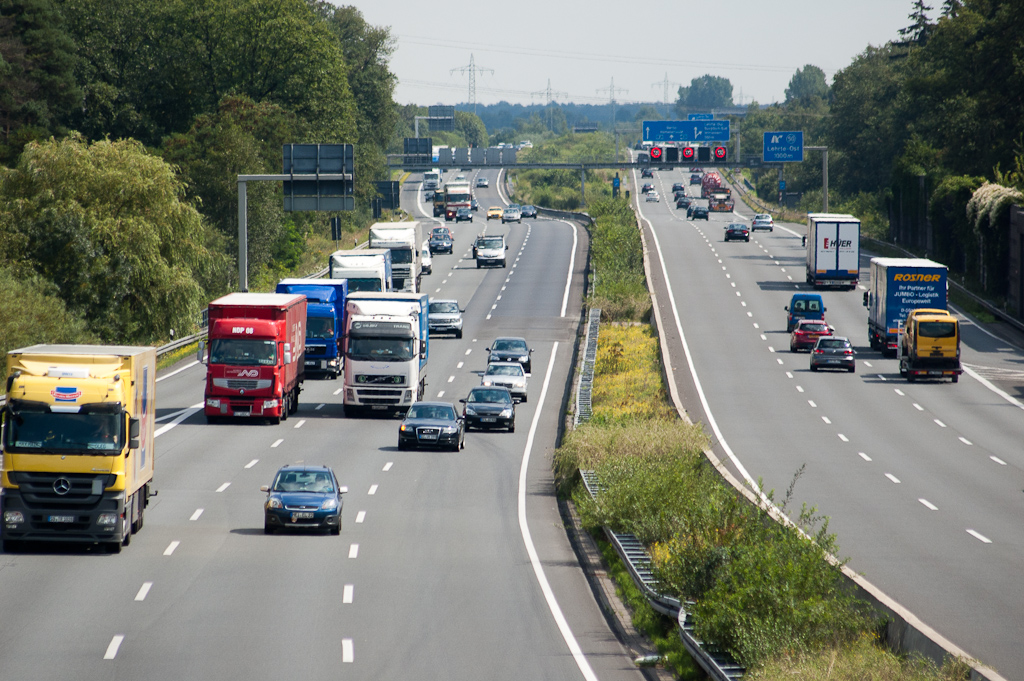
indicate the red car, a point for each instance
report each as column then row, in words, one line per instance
column 807, row 332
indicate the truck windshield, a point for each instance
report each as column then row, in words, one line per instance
column 243, row 351
column 381, row 349
column 369, row 285
column 400, row 256
column 320, row 327
column 42, row 431
column 936, row 329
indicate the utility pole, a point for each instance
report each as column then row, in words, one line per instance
column 666, row 84
column 611, row 90
column 549, row 96
column 472, row 69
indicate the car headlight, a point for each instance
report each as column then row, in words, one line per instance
column 448, row 430
column 470, row 411
column 486, row 381
column 524, row 358
column 403, row 428
column 506, row 413
column 274, row 502
column 329, row 505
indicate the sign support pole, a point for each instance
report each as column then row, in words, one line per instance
column 243, row 238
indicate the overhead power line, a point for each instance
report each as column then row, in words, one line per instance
column 472, row 69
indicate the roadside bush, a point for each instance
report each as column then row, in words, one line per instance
column 617, row 259
column 628, row 359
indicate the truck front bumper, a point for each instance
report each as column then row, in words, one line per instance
column 102, row 521
column 259, row 407
column 380, row 399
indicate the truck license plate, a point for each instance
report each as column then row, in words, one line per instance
column 61, row 519
column 934, row 373
column 311, row 362
column 304, row 515
column 243, row 413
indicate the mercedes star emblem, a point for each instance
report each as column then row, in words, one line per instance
column 61, row 486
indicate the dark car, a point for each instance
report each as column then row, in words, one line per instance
column 694, row 179
column 647, row 188
column 474, row 204
column 737, row 230
column 833, row 352
column 303, row 496
column 806, row 333
column 432, row 424
column 464, row 214
column 491, row 407
column 684, row 202
column 646, row 172
column 678, row 187
column 699, row 213
column 441, row 241
column 510, row 349
column 529, row 212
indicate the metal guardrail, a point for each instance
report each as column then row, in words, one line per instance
column 585, row 385
column 715, row 662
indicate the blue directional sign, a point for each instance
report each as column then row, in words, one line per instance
column 700, row 117
column 686, row 131
column 783, row 147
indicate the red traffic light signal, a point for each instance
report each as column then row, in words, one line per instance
column 687, row 153
column 720, row 153
column 655, row 153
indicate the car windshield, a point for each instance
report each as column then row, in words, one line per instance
column 509, row 346
column 431, row 411
column 444, row 308
column 492, row 396
column 319, row 327
column 440, row 231
column 463, row 211
column 489, row 243
column 381, row 349
column 737, row 226
column 813, row 328
column 504, row 370
column 315, row 482
column 243, row 352
column 832, row 343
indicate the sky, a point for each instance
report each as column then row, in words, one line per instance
column 582, row 48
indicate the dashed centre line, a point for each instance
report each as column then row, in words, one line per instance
column 224, row 487
column 373, row 490
column 195, row 516
column 115, row 643
column 170, row 547
column 144, row 591
column 353, row 551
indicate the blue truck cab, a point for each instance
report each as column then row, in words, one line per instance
column 804, row 306
column 325, row 321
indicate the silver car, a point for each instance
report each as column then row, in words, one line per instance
column 762, row 221
column 445, row 316
column 511, row 214
column 507, row 375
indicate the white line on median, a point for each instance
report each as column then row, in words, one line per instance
column 181, row 417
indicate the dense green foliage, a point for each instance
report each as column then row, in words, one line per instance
column 125, row 223
column 704, row 94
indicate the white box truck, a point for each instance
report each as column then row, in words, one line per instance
column 833, row 250
column 403, row 239
column 366, row 270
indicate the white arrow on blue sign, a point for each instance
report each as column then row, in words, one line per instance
column 783, row 147
column 686, row 131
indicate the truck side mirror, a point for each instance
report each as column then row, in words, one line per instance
column 201, row 355
column 866, row 299
column 423, row 348
column 134, row 427
column 287, row 353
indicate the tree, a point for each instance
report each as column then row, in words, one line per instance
column 107, row 224
column 806, row 83
column 31, row 312
column 705, row 93
column 37, row 85
column 472, row 128
column 920, row 27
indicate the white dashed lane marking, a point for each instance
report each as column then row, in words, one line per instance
column 361, row 516
column 353, row 551
column 254, row 461
column 388, row 465
column 195, row 516
column 373, row 490
column 346, row 593
column 170, row 547
column 979, row 537
column 224, row 487
column 144, row 591
column 929, row 505
column 115, row 643
column 893, row 478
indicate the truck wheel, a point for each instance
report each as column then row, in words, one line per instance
column 911, row 377
column 13, row 546
column 113, row 547
column 285, row 409
column 294, row 403
column 903, row 369
column 956, row 378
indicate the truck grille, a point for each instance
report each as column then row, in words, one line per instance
column 379, row 379
column 41, row 489
column 316, row 351
column 368, row 397
column 242, row 383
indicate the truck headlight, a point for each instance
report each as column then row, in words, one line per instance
column 14, row 517
column 210, row 402
column 107, row 518
column 269, row 404
column 407, row 397
column 350, row 395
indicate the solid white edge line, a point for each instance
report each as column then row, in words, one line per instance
column 531, row 550
column 178, row 371
column 181, row 417
column 988, row 384
column 572, row 265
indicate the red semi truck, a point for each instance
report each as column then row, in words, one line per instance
column 709, row 183
column 256, row 359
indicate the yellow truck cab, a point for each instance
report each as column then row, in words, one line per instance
column 77, row 438
column 930, row 345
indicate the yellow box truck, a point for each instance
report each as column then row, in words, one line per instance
column 77, row 443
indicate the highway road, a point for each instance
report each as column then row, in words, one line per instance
column 923, row 482
column 449, row 566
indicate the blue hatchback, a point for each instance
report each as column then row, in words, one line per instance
column 804, row 306
column 303, row 496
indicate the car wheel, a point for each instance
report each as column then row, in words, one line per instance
column 814, row 368
column 478, row 264
column 512, row 427
column 458, row 334
column 503, row 264
column 336, row 530
column 267, row 529
column 853, row 369
column 402, row 446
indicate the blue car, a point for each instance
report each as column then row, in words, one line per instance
column 303, row 496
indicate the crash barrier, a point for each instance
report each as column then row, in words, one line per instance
column 586, row 380
column 715, row 662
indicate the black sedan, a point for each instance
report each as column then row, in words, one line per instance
column 489, row 408
column 737, row 230
column 441, row 241
column 510, row 349
column 678, row 187
column 432, row 424
column 648, row 187
column 697, row 213
column 528, row 212
column 303, row 496
column 646, row 172
column 463, row 214
column 684, row 202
